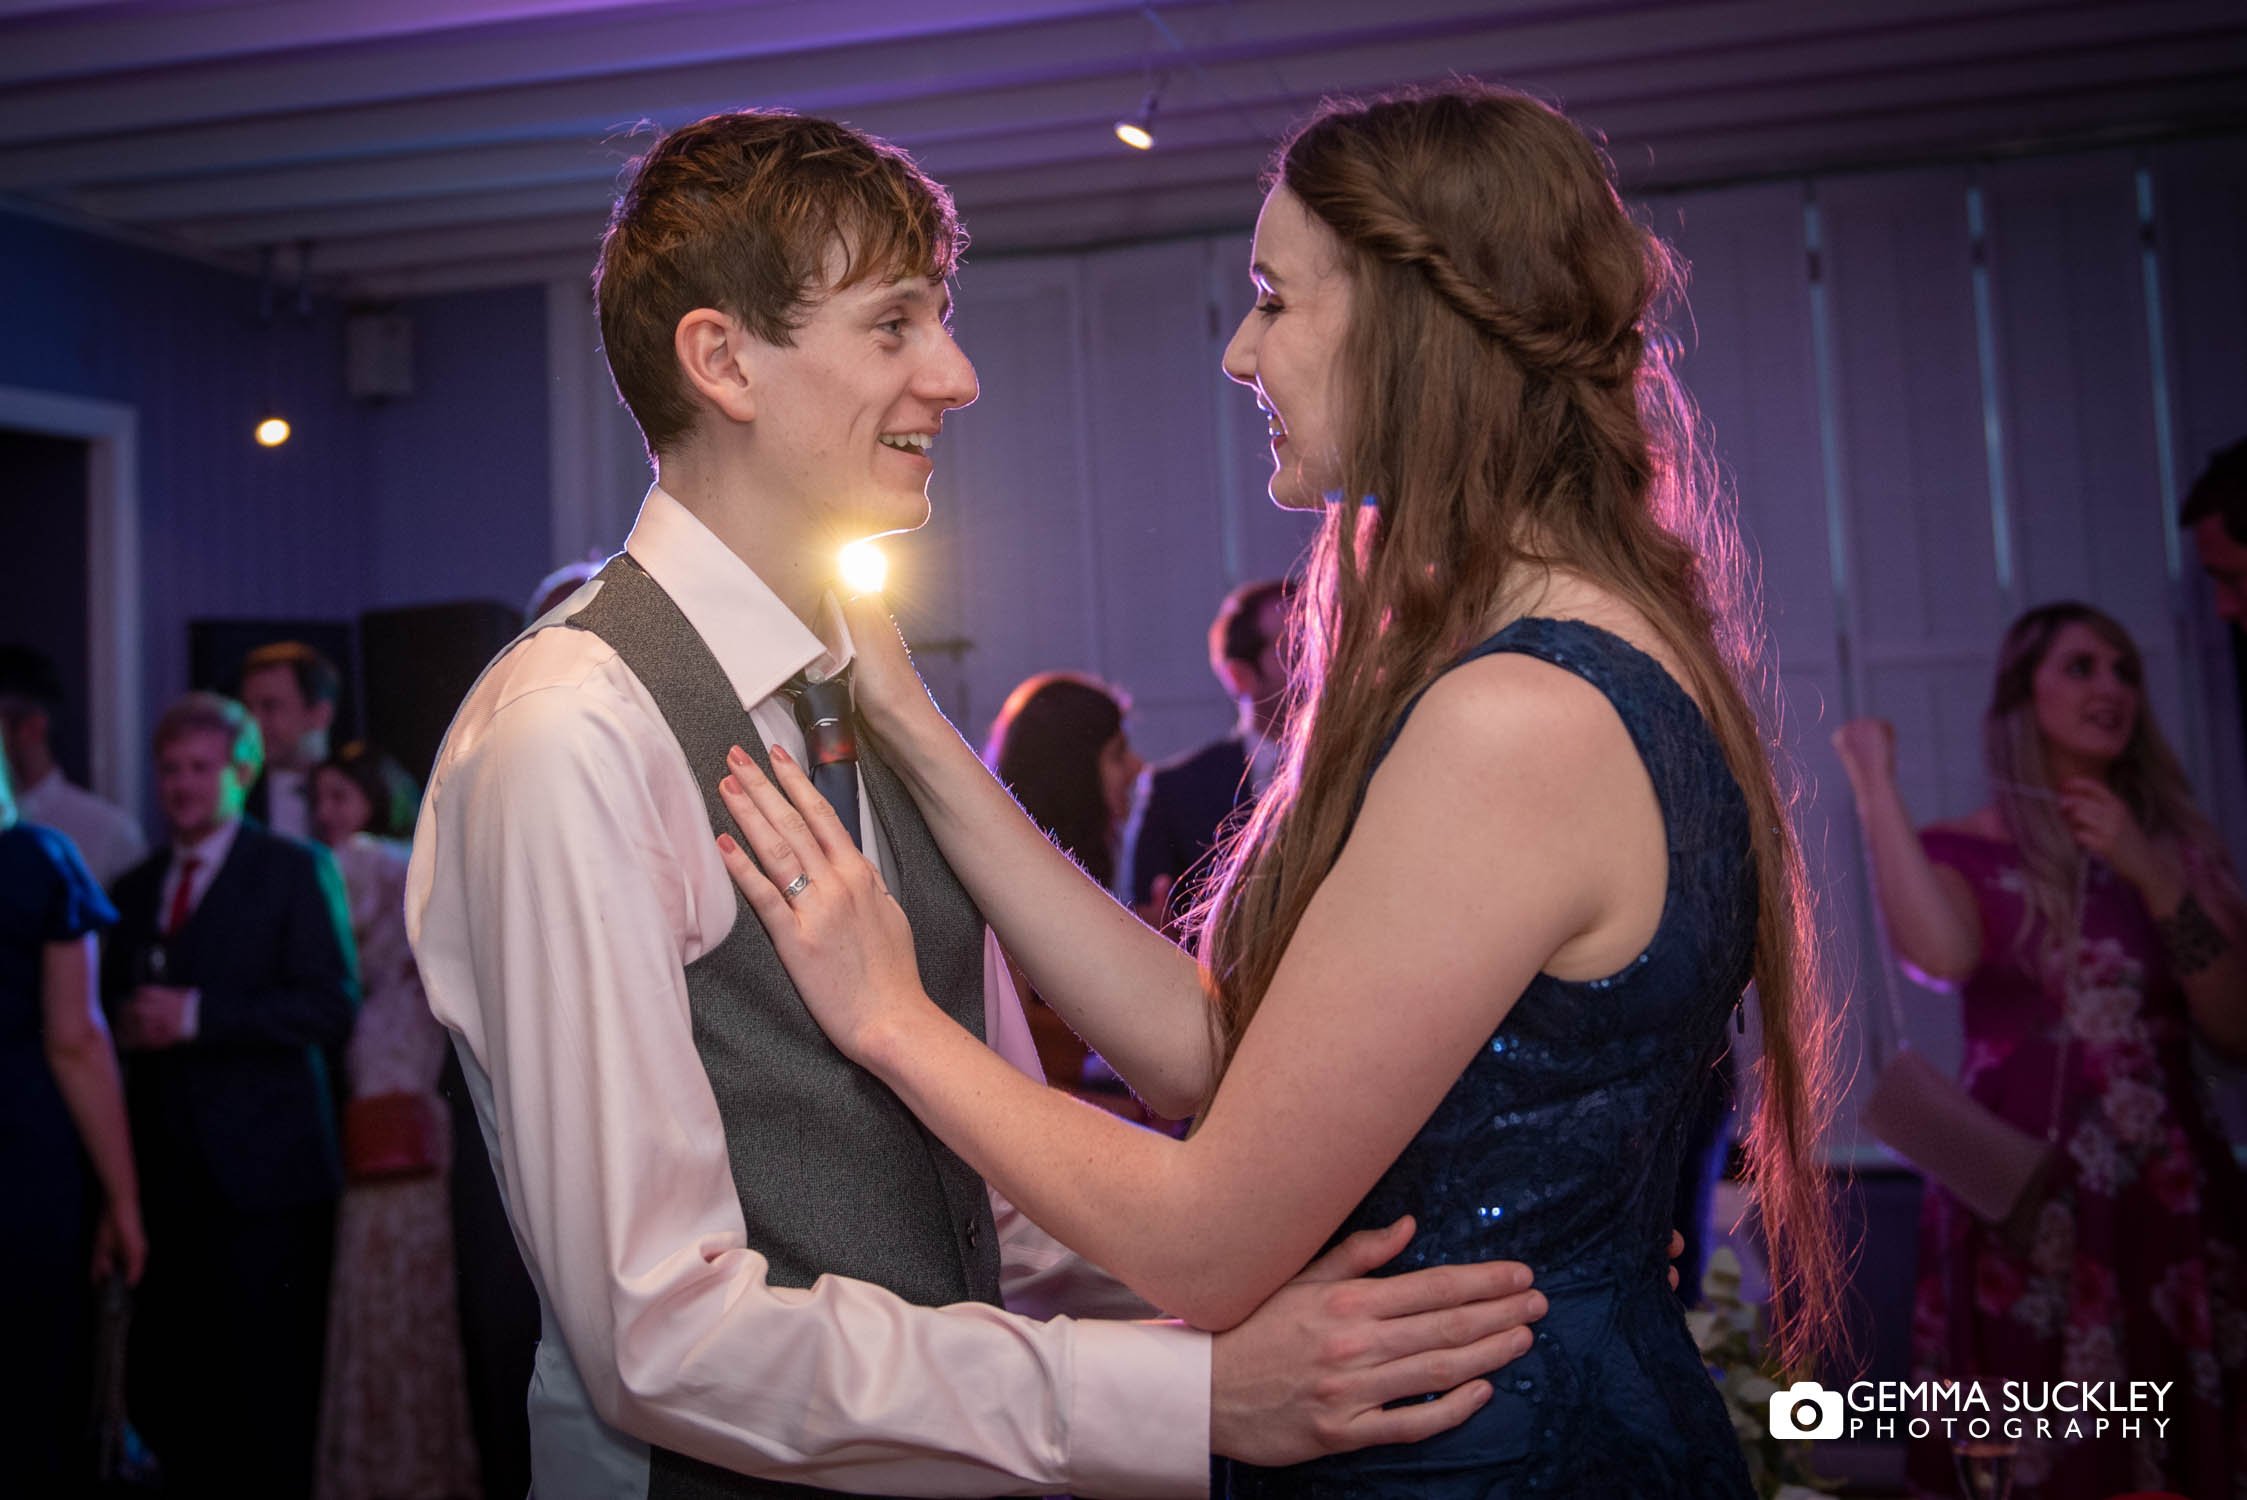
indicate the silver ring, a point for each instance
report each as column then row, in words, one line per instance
column 795, row 887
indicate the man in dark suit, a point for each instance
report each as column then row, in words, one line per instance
column 1187, row 801
column 229, row 980
column 291, row 690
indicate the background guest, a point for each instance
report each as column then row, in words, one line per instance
column 2215, row 512
column 394, row 1406
column 61, row 1106
column 559, row 585
column 2090, row 921
column 1059, row 745
column 230, row 978
column 291, row 690
column 108, row 837
column 1190, row 800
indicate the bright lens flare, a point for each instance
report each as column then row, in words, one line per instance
column 272, row 432
column 862, row 568
column 1135, row 135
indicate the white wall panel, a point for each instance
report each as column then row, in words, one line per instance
column 2077, row 407
column 1007, row 562
column 1157, row 504
column 1749, row 364
column 2199, row 200
column 2076, row 400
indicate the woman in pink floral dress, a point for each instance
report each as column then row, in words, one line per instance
column 2091, row 924
column 394, row 1407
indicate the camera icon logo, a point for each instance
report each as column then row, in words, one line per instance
column 1806, row 1409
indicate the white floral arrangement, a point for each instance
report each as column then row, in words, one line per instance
column 1728, row 1330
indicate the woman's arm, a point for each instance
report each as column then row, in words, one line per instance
column 1490, row 840
column 2198, row 918
column 1929, row 908
column 2203, row 944
column 1129, row 992
column 85, row 1069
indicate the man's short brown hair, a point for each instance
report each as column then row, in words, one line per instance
column 212, row 713
column 317, row 678
column 740, row 212
column 2220, row 491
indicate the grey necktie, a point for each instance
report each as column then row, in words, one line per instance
column 830, row 741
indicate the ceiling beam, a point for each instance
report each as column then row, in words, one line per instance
column 1021, row 71
column 959, row 134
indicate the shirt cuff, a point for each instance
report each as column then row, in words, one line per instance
column 1139, row 1411
column 190, row 1015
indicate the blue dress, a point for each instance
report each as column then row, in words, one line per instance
column 1559, row 1146
column 47, row 895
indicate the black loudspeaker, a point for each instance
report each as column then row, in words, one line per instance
column 215, row 649
column 420, row 663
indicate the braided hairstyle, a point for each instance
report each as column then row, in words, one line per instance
column 1505, row 418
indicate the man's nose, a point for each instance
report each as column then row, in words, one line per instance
column 950, row 377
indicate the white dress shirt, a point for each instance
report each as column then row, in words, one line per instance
column 288, row 802
column 105, row 833
column 1262, row 751
column 564, row 875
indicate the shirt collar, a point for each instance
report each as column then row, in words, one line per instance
column 1252, row 738
column 758, row 641
column 1260, row 751
column 213, row 848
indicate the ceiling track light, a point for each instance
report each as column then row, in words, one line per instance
column 1138, row 130
column 272, row 429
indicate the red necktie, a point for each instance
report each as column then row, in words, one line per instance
column 183, row 897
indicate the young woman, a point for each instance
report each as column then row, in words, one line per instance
column 62, row 1109
column 394, row 1404
column 2089, row 922
column 1059, row 745
column 1486, row 935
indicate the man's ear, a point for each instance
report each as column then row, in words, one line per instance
column 713, row 351
column 1239, row 677
column 323, row 715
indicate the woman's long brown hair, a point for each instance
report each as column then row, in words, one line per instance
column 1506, row 417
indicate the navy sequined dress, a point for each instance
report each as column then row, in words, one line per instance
column 1559, row 1146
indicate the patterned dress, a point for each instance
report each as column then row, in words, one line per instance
column 2134, row 1267
column 394, row 1405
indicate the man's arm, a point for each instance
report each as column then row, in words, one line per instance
column 313, row 991
column 1314, row 1369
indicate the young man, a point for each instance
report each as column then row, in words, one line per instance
column 1186, row 803
column 757, row 1270
column 2215, row 512
column 291, row 690
column 30, row 698
column 229, row 982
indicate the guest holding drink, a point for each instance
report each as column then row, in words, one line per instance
column 227, row 1076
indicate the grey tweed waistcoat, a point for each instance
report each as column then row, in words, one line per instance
column 835, row 1175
